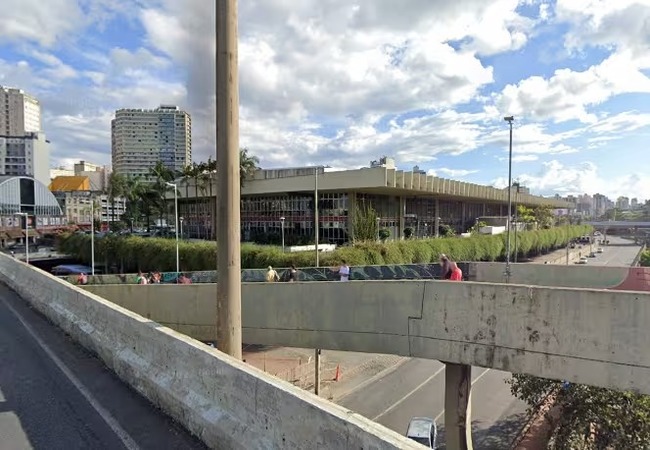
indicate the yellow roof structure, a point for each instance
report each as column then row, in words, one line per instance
column 69, row 184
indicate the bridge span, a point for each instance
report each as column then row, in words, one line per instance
column 596, row 337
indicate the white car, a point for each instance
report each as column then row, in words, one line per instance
column 599, row 250
column 424, row 431
column 583, row 260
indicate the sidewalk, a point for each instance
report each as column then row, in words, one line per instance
column 296, row 365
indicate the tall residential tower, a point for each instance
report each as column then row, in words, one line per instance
column 24, row 151
column 141, row 138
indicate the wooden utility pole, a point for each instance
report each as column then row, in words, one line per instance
column 228, row 191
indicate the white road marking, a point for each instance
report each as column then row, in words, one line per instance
column 127, row 440
column 417, row 388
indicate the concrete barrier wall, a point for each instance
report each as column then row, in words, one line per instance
column 594, row 277
column 225, row 402
column 595, row 337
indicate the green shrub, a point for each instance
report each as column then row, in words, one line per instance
column 645, row 259
column 132, row 253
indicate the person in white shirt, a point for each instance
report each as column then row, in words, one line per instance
column 343, row 271
column 272, row 275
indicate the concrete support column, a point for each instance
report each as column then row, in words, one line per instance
column 352, row 210
column 463, row 216
column 484, row 209
column 458, row 415
column 436, row 223
column 402, row 211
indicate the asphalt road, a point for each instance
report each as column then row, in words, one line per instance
column 416, row 387
column 619, row 252
column 55, row 395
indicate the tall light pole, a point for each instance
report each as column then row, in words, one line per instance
column 228, row 182
column 282, row 222
column 92, row 236
column 316, row 220
column 178, row 261
column 509, row 119
column 26, row 216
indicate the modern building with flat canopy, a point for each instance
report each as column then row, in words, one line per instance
column 402, row 199
column 27, row 199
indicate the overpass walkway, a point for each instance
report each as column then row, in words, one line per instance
column 55, row 395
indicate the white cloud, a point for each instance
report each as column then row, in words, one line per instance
column 567, row 94
column 451, row 173
column 580, row 179
column 341, row 63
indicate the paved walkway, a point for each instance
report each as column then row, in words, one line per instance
column 55, row 395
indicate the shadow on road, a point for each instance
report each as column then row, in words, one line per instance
column 499, row 436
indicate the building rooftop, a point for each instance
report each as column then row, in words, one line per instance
column 70, row 183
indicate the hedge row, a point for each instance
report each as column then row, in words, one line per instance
column 128, row 254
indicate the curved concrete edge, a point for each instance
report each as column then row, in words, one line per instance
column 225, row 402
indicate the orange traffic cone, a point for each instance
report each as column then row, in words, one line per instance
column 337, row 375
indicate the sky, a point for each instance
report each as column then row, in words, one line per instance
column 342, row 83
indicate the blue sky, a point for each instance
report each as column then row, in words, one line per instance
column 339, row 83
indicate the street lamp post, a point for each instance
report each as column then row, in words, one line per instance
column 92, row 236
column 181, row 219
column 316, row 231
column 173, row 185
column 282, row 222
column 26, row 235
column 509, row 119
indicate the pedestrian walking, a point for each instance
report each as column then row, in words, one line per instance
column 293, row 274
column 456, row 273
column 343, row 271
column 445, row 265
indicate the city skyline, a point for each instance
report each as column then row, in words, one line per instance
column 340, row 84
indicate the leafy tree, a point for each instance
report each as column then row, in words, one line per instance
column 384, row 234
column 364, row 223
column 525, row 214
column 117, row 185
column 591, row 417
column 161, row 175
column 544, row 216
column 445, row 230
column 248, row 165
column 476, row 228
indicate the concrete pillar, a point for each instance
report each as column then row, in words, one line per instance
column 484, row 209
column 463, row 216
column 402, row 211
column 352, row 210
column 436, row 223
column 458, row 415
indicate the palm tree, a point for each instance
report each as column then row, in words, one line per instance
column 136, row 193
column 248, row 165
column 116, row 188
column 162, row 175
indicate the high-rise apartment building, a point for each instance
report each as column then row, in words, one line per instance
column 24, row 151
column 141, row 138
column 20, row 113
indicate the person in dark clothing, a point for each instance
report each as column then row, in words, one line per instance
column 445, row 264
column 293, row 274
